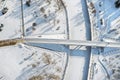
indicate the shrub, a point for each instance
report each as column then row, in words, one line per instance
column 42, row 9
column 4, row 10
column 0, row 29
column 34, row 24
column 1, row 25
column 28, row 3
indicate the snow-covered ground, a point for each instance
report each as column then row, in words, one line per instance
column 49, row 17
column 11, row 20
column 22, row 62
column 45, row 19
column 105, row 27
column 42, row 19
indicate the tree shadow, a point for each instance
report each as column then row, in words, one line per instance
column 78, row 19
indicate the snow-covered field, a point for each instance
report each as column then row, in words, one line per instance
column 22, row 62
column 105, row 20
column 11, row 20
column 45, row 19
column 48, row 15
column 40, row 18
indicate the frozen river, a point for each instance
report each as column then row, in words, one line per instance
column 79, row 29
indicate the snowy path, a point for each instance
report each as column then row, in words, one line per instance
column 67, row 21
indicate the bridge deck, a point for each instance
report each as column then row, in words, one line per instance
column 72, row 42
column 58, row 41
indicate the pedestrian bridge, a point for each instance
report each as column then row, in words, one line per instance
column 58, row 41
column 72, row 42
